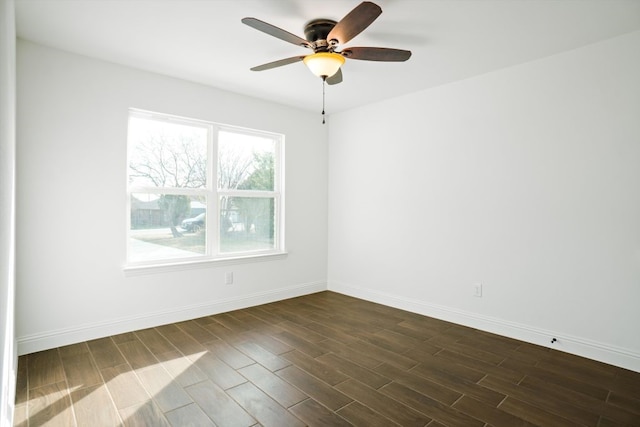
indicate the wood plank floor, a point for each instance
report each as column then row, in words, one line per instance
column 319, row 360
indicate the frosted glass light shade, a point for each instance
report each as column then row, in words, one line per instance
column 324, row 64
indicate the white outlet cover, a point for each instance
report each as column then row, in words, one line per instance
column 477, row 290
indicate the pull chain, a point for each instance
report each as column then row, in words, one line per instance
column 324, row 81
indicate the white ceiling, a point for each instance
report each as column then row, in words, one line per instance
column 204, row 41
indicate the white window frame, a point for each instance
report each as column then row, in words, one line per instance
column 213, row 195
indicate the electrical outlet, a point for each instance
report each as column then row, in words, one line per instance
column 477, row 290
column 228, row 278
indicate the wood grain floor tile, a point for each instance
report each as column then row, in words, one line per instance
column 360, row 415
column 220, row 331
column 302, row 331
column 279, row 390
column 327, row 331
column 421, row 385
column 630, row 403
column 263, row 408
column 489, row 343
column 228, row 354
column 219, row 406
column 93, row 406
column 189, row 416
column 197, row 332
column 22, row 384
column 314, row 414
column 137, row 354
column 105, row 353
column 20, row 415
column 487, row 413
column 313, row 387
column 231, row 323
column 50, row 405
column 124, row 386
column 218, row 371
column 267, row 342
column 561, row 394
column 472, row 353
column 432, row 363
column 393, row 341
column 81, row 371
column 160, row 386
column 352, row 370
column 121, row 338
column 431, row 408
column 73, row 350
column 423, row 353
column 383, row 404
column 315, row 367
column 183, row 370
column 143, row 415
column 300, row 344
column 154, row 341
column 459, row 384
column 256, row 326
column 620, row 415
column 266, row 315
column 180, row 340
column 545, row 401
column 349, row 353
column 481, row 365
column 384, row 355
column 533, row 414
column 418, row 334
column 45, row 367
column 262, row 356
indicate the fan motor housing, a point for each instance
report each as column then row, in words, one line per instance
column 317, row 30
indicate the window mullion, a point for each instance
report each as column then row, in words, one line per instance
column 246, row 193
column 213, row 220
column 170, row 190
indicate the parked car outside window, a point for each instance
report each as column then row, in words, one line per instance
column 193, row 224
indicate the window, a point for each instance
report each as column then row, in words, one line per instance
column 201, row 191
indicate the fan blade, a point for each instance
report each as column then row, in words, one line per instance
column 336, row 78
column 278, row 63
column 376, row 54
column 274, row 31
column 355, row 22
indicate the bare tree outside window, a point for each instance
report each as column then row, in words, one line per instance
column 168, row 155
column 245, row 168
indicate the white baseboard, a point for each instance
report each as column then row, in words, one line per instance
column 606, row 353
column 57, row 338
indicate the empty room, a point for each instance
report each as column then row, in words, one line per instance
column 321, row 213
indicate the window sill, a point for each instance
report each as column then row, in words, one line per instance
column 142, row 269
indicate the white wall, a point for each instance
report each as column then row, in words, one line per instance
column 526, row 180
column 8, row 358
column 71, row 186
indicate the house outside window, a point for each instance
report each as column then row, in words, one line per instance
column 201, row 191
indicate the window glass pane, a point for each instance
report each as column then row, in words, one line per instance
column 167, row 154
column 247, row 224
column 167, row 226
column 245, row 162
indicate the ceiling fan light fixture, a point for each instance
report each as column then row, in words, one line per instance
column 324, row 64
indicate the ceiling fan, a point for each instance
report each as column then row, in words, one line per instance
column 324, row 36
